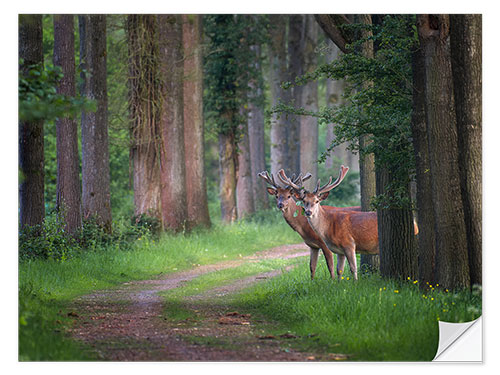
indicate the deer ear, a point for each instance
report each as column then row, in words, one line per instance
column 271, row 190
column 323, row 196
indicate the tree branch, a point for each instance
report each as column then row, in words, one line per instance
column 332, row 26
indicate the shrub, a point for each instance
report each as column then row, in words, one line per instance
column 50, row 241
column 46, row 241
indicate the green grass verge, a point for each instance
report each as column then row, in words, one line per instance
column 47, row 286
column 373, row 319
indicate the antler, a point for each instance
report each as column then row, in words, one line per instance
column 295, row 183
column 329, row 186
column 269, row 179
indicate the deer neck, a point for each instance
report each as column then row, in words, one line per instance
column 318, row 220
column 292, row 214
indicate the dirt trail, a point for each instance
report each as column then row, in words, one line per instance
column 129, row 323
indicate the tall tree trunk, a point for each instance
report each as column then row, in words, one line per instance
column 296, row 30
column 425, row 207
column 196, row 188
column 227, row 172
column 95, row 155
column 309, row 101
column 244, row 189
column 367, row 179
column 398, row 246
column 68, row 202
column 452, row 266
column 256, row 139
column 466, row 57
column 31, row 158
column 144, row 114
column 172, row 161
column 278, row 74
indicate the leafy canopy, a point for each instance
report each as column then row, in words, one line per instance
column 378, row 102
column 38, row 97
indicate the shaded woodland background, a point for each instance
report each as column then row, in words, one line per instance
column 167, row 119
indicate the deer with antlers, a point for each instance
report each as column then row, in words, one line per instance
column 294, row 216
column 344, row 232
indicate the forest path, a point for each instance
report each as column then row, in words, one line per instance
column 130, row 323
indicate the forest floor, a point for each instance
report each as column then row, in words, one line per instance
column 131, row 322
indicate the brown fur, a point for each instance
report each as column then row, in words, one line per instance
column 344, row 232
column 299, row 223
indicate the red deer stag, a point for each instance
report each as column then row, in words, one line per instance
column 294, row 216
column 344, row 232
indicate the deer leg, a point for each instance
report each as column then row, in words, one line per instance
column 313, row 261
column 340, row 265
column 351, row 258
column 329, row 261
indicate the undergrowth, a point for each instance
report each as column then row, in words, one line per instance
column 373, row 319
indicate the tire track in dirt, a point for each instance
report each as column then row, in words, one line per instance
column 126, row 324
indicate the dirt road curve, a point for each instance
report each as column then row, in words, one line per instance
column 129, row 323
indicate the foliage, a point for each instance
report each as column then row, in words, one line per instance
column 50, row 241
column 378, row 102
column 229, row 67
column 46, row 241
column 38, row 97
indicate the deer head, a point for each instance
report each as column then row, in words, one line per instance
column 284, row 195
column 312, row 200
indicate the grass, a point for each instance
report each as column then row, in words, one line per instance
column 373, row 319
column 46, row 286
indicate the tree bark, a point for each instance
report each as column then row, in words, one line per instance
column 68, row 201
column 256, row 139
column 196, row 189
column 296, row 25
column 367, row 177
column 244, row 188
column 278, row 74
column 172, row 160
column 452, row 266
column 466, row 58
column 425, row 207
column 31, row 157
column 398, row 246
column 144, row 114
column 309, row 101
column 332, row 26
column 95, row 155
column 227, row 172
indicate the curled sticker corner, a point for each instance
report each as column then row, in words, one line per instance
column 460, row 342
